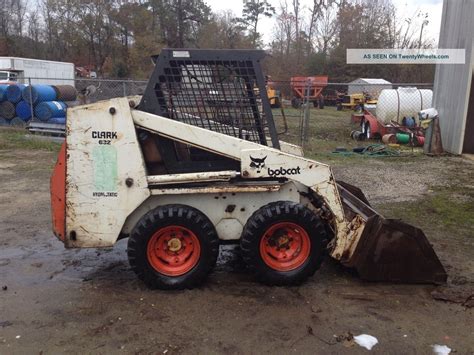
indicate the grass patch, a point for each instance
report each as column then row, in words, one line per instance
column 443, row 209
column 328, row 130
column 11, row 138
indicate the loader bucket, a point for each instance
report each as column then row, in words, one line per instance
column 389, row 249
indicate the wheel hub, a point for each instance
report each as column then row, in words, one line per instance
column 285, row 246
column 173, row 250
column 174, row 244
column 284, row 241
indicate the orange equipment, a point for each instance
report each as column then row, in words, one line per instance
column 308, row 89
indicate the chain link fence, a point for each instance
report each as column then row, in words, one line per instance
column 379, row 108
column 19, row 107
column 93, row 90
column 372, row 104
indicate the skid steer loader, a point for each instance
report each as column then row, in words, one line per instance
column 196, row 162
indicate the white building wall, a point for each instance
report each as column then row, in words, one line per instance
column 453, row 81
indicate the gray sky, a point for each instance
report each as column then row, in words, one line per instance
column 405, row 8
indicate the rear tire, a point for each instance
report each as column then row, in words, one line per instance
column 295, row 103
column 173, row 247
column 366, row 129
column 321, row 103
column 277, row 103
column 283, row 243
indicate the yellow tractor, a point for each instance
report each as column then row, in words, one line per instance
column 356, row 101
column 274, row 95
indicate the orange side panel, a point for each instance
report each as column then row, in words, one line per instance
column 58, row 195
column 300, row 84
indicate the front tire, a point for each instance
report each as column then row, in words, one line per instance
column 296, row 103
column 173, row 247
column 366, row 129
column 283, row 243
column 321, row 103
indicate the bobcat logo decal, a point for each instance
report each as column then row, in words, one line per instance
column 257, row 163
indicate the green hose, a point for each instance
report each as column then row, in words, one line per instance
column 372, row 150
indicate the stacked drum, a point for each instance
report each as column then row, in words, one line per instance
column 21, row 103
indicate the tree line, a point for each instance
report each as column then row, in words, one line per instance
column 117, row 38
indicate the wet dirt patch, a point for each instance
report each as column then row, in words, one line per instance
column 88, row 300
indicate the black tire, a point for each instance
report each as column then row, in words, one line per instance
column 339, row 107
column 365, row 129
column 315, row 104
column 277, row 103
column 165, row 216
column 268, row 216
column 295, row 103
column 321, row 103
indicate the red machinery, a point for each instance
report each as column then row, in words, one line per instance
column 372, row 128
column 396, row 116
column 308, row 88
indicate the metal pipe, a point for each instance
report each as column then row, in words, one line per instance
column 192, row 177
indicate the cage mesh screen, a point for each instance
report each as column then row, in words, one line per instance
column 219, row 95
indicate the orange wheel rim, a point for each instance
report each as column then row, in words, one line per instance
column 173, row 250
column 285, row 246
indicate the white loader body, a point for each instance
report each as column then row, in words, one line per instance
column 198, row 161
column 108, row 188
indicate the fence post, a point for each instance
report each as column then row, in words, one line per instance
column 306, row 113
column 302, row 123
column 31, row 101
column 124, row 85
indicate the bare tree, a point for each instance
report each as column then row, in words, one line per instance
column 252, row 13
column 326, row 29
column 409, row 31
column 5, row 20
column 222, row 31
column 12, row 18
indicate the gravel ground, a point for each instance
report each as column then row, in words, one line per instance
column 89, row 301
column 391, row 181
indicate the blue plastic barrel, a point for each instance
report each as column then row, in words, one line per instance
column 58, row 120
column 50, row 109
column 14, row 92
column 408, row 122
column 17, row 122
column 3, row 92
column 23, row 110
column 39, row 93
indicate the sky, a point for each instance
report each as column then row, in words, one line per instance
column 405, row 8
